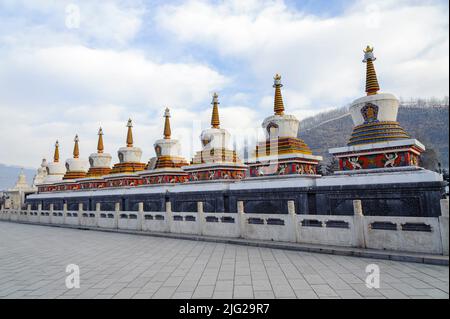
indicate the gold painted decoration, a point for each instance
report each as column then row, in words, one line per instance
column 372, row 86
column 129, row 134
column 215, row 121
column 76, row 149
column 278, row 100
column 56, row 154
column 167, row 130
column 100, row 147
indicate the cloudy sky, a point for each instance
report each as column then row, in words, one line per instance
column 68, row 67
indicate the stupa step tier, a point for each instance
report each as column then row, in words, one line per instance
column 287, row 145
column 98, row 171
column 128, row 167
column 215, row 155
column 170, row 162
column 377, row 132
column 74, row 175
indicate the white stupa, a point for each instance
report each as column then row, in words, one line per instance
column 216, row 161
column 76, row 167
column 129, row 156
column 16, row 195
column 55, row 169
column 41, row 174
column 100, row 162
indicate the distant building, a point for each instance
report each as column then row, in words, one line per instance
column 14, row 197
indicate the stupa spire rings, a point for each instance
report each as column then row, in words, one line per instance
column 130, row 134
column 76, row 149
column 56, row 153
column 100, row 147
column 372, row 86
column 278, row 99
column 167, row 130
column 215, row 120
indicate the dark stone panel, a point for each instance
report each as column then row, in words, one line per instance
column 262, row 206
column 213, row 202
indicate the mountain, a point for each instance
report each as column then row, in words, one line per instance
column 426, row 121
column 9, row 174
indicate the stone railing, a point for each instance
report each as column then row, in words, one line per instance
column 408, row 234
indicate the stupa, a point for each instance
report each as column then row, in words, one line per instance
column 41, row 173
column 100, row 162
column 378, row 142
column 282, row 152
column 166, row 166
column 55, row 169
column 129, row 156
column 76, row 167
column 17, row 194
column 123, row 173
column 215, row 161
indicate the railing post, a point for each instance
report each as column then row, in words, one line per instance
column 28, row 212
column 241, row 217
column 140, row 215
column 97, row 213
column 200, row 218
column 116, row 215
column 294, row 228
column 39, row 212
column 358, row 222
column 169, row 216
column 443, row 225
column 51, row 213
column 65, row 213
column 80, row 212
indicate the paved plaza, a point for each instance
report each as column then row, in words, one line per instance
column 33, row 262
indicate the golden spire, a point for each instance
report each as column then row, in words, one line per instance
column 76, row 150
column 372, row 86
column 129, row 134
column 278, row 106
column 215, row 121
column 167, row 131
column 100, row 147
column 56, row 154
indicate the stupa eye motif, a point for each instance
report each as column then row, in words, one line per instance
column 370, row 113
column 158, row 150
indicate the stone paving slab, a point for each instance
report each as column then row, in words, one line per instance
column 33, row 262
column 314, row 248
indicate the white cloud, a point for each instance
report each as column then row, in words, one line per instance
column 102, row 87
column 320, row 58
column 105, row 22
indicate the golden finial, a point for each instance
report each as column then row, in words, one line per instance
column 56, row 154
column 368, row 49
column 167, row 131
column 129, row 134
column 100, row 147
column 372, row 86
column 278, row 100
column 215, row 121
column 76, row 149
